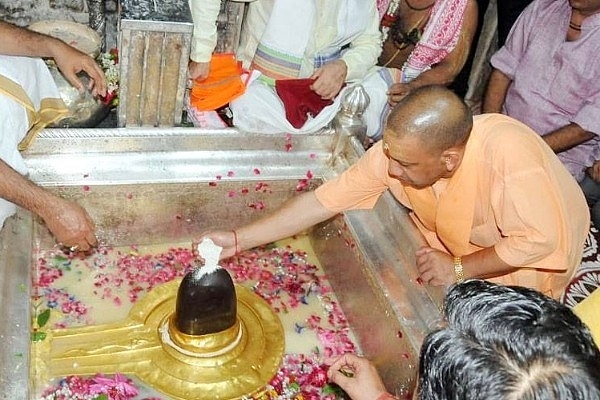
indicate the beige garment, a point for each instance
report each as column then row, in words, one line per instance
column 510, row 192
column 351, row 25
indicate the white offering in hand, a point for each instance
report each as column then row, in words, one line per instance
column 210, row 252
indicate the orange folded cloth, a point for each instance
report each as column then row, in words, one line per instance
column 223, row 84
column 299, row 100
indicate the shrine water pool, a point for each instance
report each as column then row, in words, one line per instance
column 350, row 283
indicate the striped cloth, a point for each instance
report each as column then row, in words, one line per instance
column 279, row 55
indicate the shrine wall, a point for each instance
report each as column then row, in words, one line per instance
column 25, row 12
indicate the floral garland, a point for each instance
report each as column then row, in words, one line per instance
column 389, row 18
column 108, row 62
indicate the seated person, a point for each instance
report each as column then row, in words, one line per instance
column 507, row 13
column 498, row 342
column 546, row 76
column 29, row 100
column 490, row 197
column 433, row 52
column 425, row 42
column 332, row 43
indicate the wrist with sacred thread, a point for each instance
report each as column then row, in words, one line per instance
column 459, row 272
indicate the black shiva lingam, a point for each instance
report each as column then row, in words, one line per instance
column 222, row 341
column 205, row 319
column 206, row 303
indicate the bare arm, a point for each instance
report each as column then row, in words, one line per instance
column 567, row 137
column 17, row 41
column 68, row 221
column 294, row 216
column 495, row 92
column 444, row 72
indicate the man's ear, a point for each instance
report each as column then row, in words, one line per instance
column 451, row 158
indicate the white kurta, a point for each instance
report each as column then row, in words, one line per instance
column 34, row 78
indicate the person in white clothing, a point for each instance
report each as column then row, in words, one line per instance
column 28, row 99
column 330, row 42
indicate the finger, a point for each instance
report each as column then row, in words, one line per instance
column 328, row 92
column 74, row 81
column 97, row 77
column 91, row 239
column 328, row 95
column 395, row 98
column 317, row 87
column 334, row 92
column 426, row 278
column 316, row 73
column 340, row 378
column 80, row 248
column 424, row 250
column 424, row 271
column 336, row 363
column 435, row 281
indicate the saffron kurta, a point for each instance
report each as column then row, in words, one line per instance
column 510, row 192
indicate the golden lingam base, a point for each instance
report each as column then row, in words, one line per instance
column 231, row 364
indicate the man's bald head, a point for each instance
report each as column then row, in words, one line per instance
column 435, row 115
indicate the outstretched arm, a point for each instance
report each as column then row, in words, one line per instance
column 294, row 216
column 17, row 41
column 68, row 221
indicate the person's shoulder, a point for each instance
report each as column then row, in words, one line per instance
column 496, row 121
column 499, row 130
column 507, row 145
column 543, row 6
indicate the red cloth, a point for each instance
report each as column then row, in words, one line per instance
column 299, row 100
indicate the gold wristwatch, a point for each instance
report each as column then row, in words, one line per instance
column 459, row 272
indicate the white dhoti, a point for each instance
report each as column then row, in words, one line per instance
column 261, row 110
column 288, row 49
